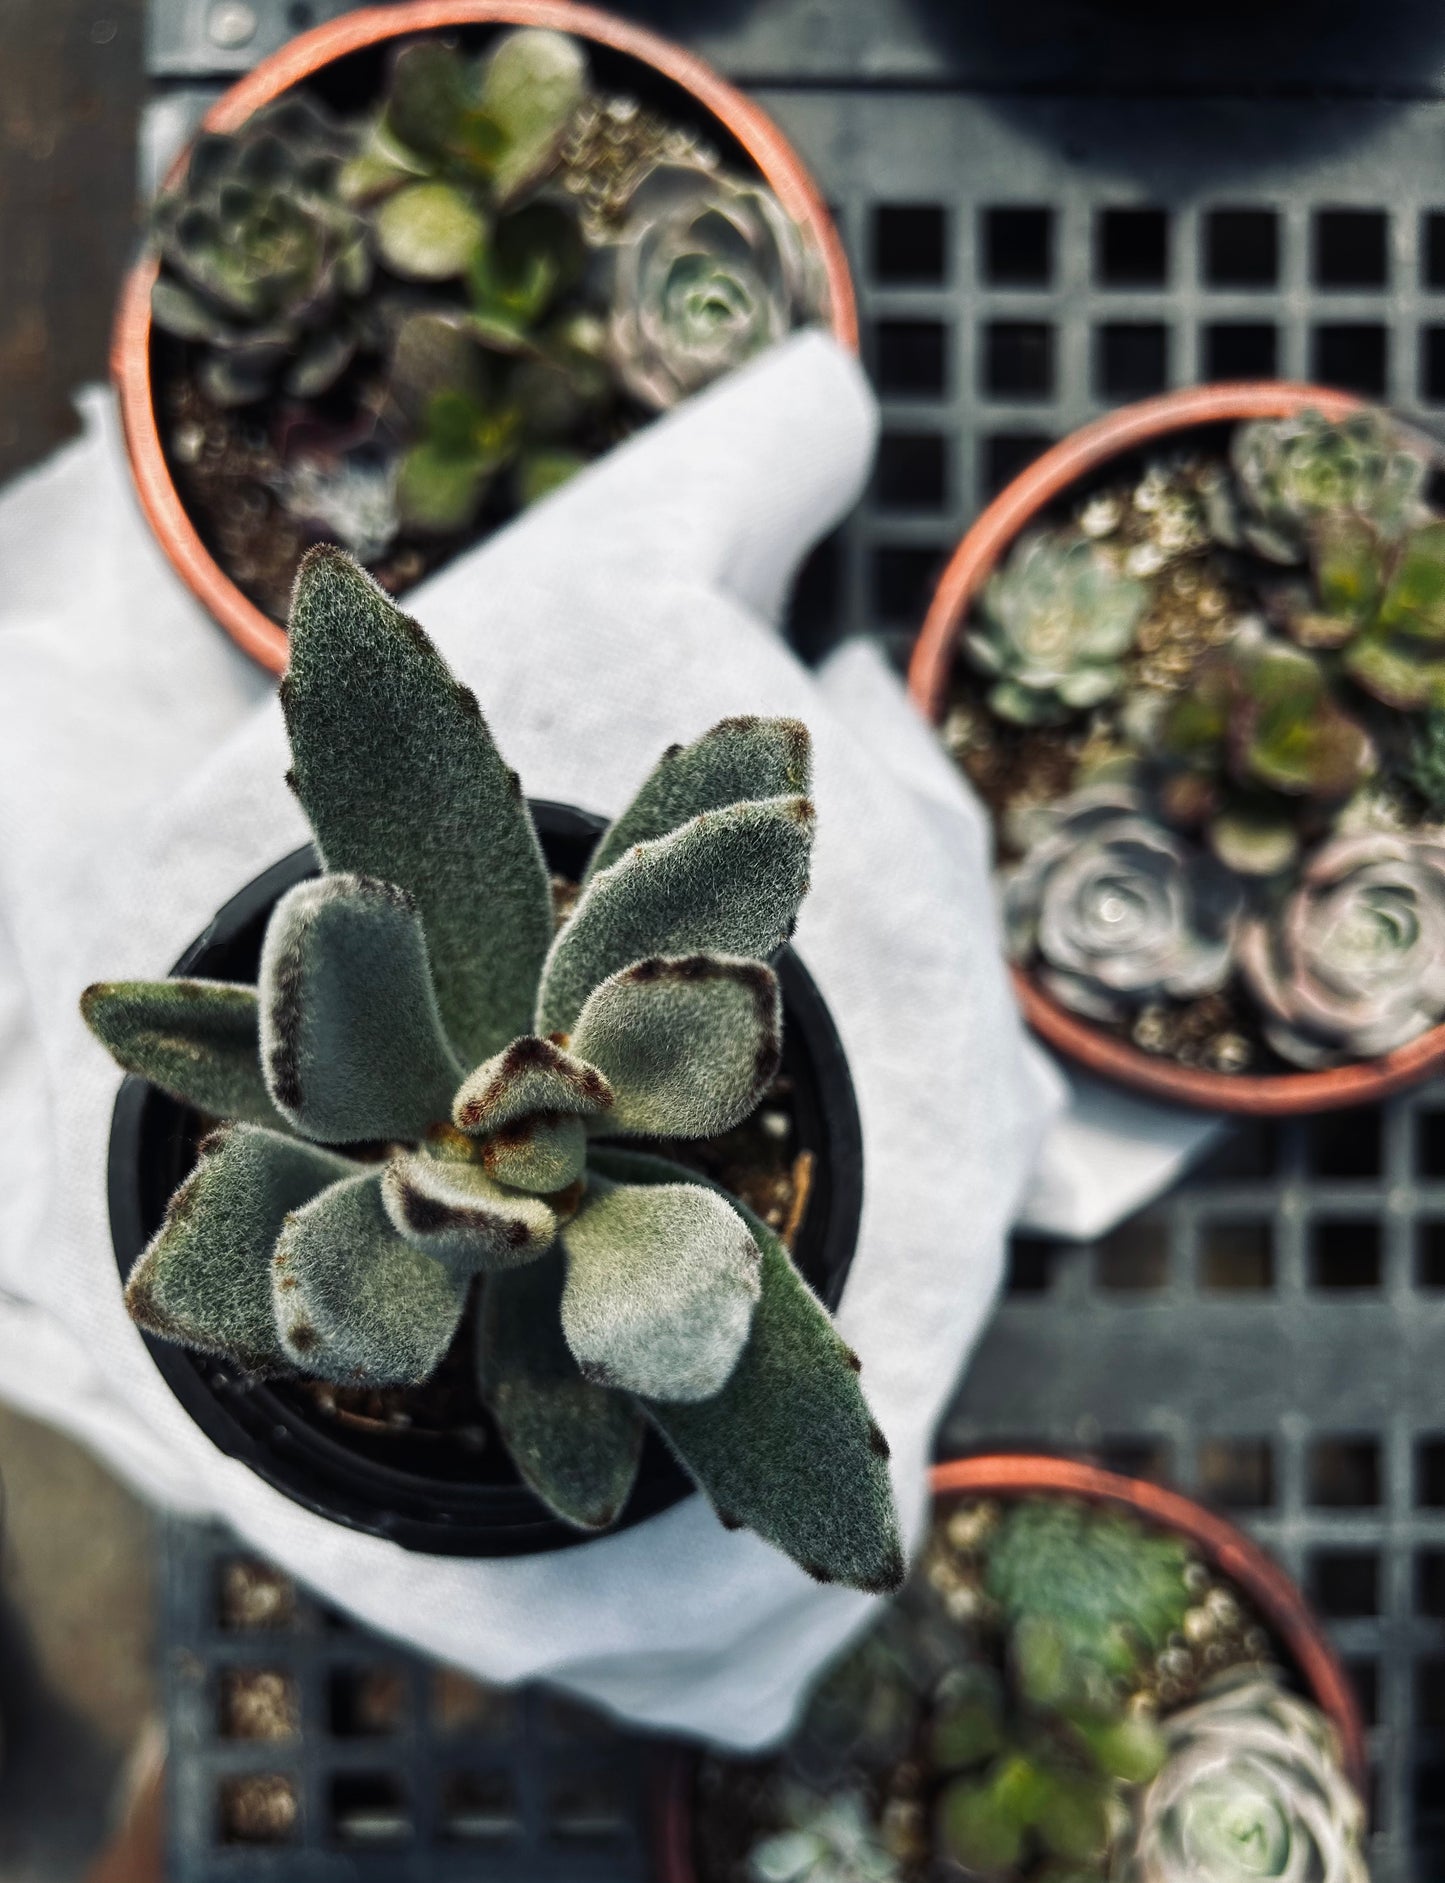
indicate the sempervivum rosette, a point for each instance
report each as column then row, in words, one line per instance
column 1353, row 965
column 1116, row 910
column 708, row 271
column 1251, row 1790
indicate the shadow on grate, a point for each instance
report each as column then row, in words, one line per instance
column 304, row 1747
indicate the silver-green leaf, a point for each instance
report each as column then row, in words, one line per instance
column 401, row 780
column 351, row 1036
column 453, row 1210
column 197, row 1040
column 727, row 882
column 574, row 1443
column 205, row 1278
column 688, row 1046
column 738, row 759
column 788, row 1448
column 355, row 1303
column 661, row 1286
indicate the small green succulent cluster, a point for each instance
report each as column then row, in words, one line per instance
column 1086, row 1600
column 519, row 268
column 1054, row 626
column 454, row 173
column 431, row 1089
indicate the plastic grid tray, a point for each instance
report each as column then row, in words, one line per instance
column 398, row 1771
column 1267, row 1337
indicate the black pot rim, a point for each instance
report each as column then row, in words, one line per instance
column 316, row 1469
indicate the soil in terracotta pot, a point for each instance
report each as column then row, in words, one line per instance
column 867, row 1730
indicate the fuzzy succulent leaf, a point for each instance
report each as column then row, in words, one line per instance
column 354, row 1302
column 662, row 1281
column 736, row 760
column 197, row 1040
column 401, row 780
column 351, row 1038
column 532, row 1075
column 543, row 1154
column 532, row 82
column 688, row 1046
column 726, row 882
column 577, row 1445
column 451, row 1209
column 788, row 1447
column 205, row 1278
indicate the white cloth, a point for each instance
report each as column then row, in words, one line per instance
column 141, row 767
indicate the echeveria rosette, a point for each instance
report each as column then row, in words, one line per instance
column 262, row 264
column 1289, row 473
column 708, row 270
column 1055, row 624
column 418, row 999
column 1251, row 1791
column 1352, row 964
column 1111, row 910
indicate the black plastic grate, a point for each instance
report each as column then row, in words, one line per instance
column 304, row 1749
column 1023, row 264
column 1268, row 1338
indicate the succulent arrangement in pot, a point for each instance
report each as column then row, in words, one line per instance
column 437, row 1113
column 390, row 304
column 1202, row 694
column 1065, row 1692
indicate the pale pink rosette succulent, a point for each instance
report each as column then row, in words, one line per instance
column 1353, row 964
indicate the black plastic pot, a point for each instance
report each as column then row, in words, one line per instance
column 423, row 1492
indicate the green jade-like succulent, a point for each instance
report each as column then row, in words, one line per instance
column 262, row 264
column 1087, row 1599
column 1055, row 624
column 1256, row 739
column 459, row 142
column 1289, row 474
column 1381, row 602
column 423, row 1090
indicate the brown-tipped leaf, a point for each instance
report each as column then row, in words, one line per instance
column 197, row 1040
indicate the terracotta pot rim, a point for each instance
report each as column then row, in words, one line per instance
column 291, row 65
column 1026, row 1474
column 1040, row 484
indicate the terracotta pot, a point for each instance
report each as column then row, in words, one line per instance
column 1257, row 1576
column 1045, row 481
column 744, row 123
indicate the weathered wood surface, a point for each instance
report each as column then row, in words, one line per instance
column 71, row 84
